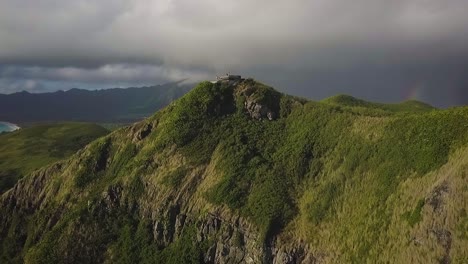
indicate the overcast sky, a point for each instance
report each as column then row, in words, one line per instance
column 384, row 50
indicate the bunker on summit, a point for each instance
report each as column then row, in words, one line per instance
column 229, row 77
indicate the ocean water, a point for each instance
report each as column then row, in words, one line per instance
column 7, row 127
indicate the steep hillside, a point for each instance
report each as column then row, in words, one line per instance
column 28, row 149
column 108, row 105
column 239, row 173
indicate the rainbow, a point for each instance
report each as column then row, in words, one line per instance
column 415, row 92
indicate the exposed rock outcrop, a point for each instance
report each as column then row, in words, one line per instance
column 259, row 111
column 261, row 103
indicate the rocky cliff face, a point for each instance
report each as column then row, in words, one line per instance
column 225, row 176
column 265, row 107
column 34, row 203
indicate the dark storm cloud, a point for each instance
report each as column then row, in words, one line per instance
column 463, row 94
column 106, row 73
column 370, row 48
column 39, row 79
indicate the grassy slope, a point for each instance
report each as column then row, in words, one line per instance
column 341, row 164
column 30, row 148
column 358, row 205
column 357, row 182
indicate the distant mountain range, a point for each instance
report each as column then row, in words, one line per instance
column 108, row 105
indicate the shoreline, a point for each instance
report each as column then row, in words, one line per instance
column 11, row 126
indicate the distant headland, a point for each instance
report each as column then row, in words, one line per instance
column 8, row 127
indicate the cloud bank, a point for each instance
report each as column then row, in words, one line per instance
column 370, row 48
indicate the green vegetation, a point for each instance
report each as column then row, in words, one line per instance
column 462, row 227
column 113, row 126
column 415, row 216
column 28, row 149
column 407, row 106
column 343, row 175
column 175, row 178
column 184, row 250
column 94, row 164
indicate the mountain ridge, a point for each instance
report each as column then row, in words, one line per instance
column 106, row 105
column 238, row 172
column 405, row 106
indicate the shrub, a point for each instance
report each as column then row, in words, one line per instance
column 415, row 216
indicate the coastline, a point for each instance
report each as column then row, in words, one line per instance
column 11, row 126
